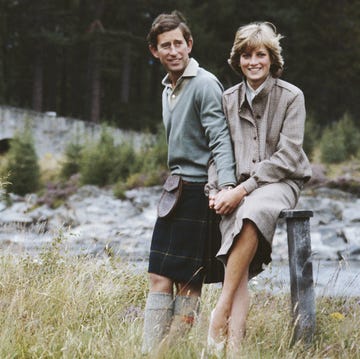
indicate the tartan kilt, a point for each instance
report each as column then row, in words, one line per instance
column 185, row 243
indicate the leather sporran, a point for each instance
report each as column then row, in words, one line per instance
column 170, row 195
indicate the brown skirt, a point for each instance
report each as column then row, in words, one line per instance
column 262, row 207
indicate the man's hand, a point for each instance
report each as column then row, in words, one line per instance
column 228, row 199
column 212, row 196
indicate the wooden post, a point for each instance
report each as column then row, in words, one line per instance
column 301, row 273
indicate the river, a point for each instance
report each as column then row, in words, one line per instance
column 92, row 220
column 331, row 278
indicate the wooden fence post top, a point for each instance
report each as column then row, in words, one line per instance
column 301, row 273
column 296, row 213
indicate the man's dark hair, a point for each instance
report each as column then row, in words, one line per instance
column 168, row 22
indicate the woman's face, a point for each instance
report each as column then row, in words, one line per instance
column 255, row 65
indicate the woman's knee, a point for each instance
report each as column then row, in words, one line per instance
column 250, row 225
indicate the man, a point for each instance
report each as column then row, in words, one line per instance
column 196, row 132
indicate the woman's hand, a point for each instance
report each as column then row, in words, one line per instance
column 212, row 196
column 228, row 199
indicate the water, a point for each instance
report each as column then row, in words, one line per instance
column 331, row 278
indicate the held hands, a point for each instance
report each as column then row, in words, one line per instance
column 225, row 201
column 212, row 197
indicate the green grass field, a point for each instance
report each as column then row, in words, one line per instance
column 58, row 306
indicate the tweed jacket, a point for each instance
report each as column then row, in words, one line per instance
column 267, row 138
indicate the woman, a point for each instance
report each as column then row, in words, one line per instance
column 266, row 118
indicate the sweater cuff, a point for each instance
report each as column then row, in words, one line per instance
column 225, row 180
column 250, row 184
column 227, row 185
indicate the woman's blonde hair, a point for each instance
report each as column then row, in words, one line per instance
column 252, row 36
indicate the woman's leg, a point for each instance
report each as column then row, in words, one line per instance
column 238, row 316
column 236, row 277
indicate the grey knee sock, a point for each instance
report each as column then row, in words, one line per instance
column 186, row 306
column 159, row 311
column 185, row 311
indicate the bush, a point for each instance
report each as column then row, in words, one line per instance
column 97, row 160
column 311, row 136
column 55, row 194
column 332, row 146
column 125, row 162
column 146, row 179
column 22, row 167
column 150, row 168
column 119, row 190
column 103, row 163
column 351, row 134
column 71, row 164
column 153, row 156
column 340, row 141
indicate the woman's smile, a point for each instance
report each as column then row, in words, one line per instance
column 255, row 65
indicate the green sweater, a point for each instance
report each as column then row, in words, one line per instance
column 196, row 128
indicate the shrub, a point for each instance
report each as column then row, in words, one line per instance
column 156, row 156
column 311, row 136
column 351, row 134
column 102, row 163
column 22, row 167
column 55, row 193
column 340, row 141
column 125, row 161
column 97, row 160
column 332, row 146
column 71, row 163
column 119, row 190
column 146, row 179
column 153, row 157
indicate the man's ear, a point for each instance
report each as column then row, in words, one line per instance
column 154, row 51
column 190, row 44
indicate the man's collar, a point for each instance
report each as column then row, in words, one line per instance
column 191, row 68
column 190, row 71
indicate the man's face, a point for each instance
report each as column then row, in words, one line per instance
column 173, row 52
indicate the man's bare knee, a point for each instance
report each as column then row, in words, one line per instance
column 159, row 283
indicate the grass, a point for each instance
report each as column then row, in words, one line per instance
column 60, row 306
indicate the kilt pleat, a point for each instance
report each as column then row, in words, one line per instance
column 184, row 245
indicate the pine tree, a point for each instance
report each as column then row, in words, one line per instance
column 23, row 168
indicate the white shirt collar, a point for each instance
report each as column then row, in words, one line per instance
column 251, row 93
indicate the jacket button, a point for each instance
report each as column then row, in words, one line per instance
column 254, row 161
column 255, row 138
